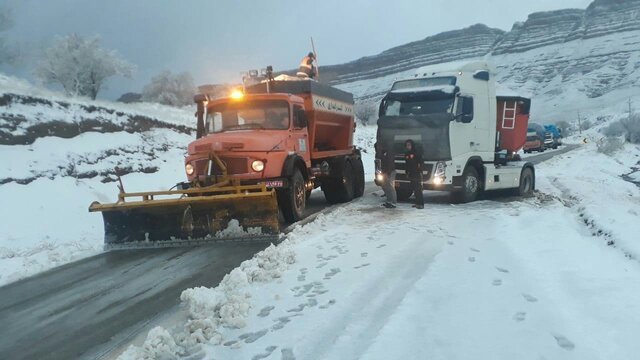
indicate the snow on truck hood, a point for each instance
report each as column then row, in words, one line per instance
column 239, row 141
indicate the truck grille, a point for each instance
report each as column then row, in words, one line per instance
column 234, row 166
column 401, row 173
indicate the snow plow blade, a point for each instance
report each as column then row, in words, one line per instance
column 188, row 217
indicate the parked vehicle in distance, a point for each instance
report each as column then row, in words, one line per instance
column 534, row 143
column 556, row 135
column 549, row 143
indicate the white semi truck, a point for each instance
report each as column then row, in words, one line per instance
column 468, row 135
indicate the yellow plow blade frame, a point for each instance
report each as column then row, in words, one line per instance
column 191, row 216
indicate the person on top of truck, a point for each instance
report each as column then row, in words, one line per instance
column 388, row 170
column 413, row 163
column 307, row 67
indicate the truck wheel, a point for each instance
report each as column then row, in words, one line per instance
column 471, row 186
column 293, row 200
column 340, row 190
column 403, row 192
column 527, row 181
column 329, row 188
column 347, row 182
column 358, row 184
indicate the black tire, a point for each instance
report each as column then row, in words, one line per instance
column 527, row 183
column 471, row 186
column 340, row 190
column 403, row 192
column 358, row 183
column 293, row 200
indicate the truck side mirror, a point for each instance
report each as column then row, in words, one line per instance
column 466, row 109
column 300, row 120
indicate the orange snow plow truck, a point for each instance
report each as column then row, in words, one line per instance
column 258, row 153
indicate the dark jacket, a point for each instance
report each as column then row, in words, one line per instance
column 307, row 67
column 387, row 164
column 413, row 163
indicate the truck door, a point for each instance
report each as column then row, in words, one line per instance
column 464, row 139
column 300, row 134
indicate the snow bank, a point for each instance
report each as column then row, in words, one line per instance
column 210, row 309
column 158, row 345
column 228, row 303
column 595, row 189
column 234, row 229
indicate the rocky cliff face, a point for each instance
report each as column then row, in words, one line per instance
column 591, row 51
column 471, row 42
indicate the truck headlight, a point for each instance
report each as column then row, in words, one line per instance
column 189, row 169
column 439, row 173
column 257, row 165
column 379, row 177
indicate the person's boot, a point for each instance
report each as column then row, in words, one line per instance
column 419, row 206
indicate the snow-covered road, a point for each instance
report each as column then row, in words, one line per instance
column 494, row 279
column 502, row 278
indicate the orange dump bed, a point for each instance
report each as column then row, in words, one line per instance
column 329, row 112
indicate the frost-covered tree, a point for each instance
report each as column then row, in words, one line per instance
column 169, row 89
column 81, row 65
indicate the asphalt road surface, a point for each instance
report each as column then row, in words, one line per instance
column 82, row 309
column 76, row 310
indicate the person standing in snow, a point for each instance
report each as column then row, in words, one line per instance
column 413, row 163
column 388, row 168
column 307, row 67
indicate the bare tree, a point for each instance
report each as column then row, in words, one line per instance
column 365, row 112
column 166, row 88
column 80, row 65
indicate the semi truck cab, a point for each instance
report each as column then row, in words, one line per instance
column 467, row 134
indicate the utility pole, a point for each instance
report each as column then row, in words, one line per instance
column 579, row 123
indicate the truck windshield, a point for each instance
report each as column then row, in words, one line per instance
column 416, row 106
column 245, row 115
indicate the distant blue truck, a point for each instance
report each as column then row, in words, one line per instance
column 540, row 138
column 553, row 136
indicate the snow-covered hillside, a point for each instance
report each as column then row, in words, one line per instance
column 567, row 60
column 59, row 154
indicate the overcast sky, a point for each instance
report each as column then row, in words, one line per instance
column 217, row 39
